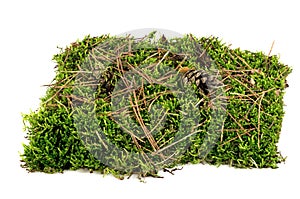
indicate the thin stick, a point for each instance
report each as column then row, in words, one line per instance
column 236, row 123
column 165, row 55
column 247, row 132
column 185, row 137
column 140, row 120
column 271, row 48
column 258, row 128
column 159, row 122
column 59, row 90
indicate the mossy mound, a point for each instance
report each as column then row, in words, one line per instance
column 252, row 85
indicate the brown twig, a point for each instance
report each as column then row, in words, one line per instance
column 258, row 121
column 247, row 132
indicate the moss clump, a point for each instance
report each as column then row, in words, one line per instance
column 252, row 84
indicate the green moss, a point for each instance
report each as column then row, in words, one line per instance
column 254, row 89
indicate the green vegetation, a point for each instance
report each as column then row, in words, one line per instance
column 123, row 129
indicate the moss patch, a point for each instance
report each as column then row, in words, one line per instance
column 253, row 86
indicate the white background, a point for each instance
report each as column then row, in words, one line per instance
column 31, row 30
